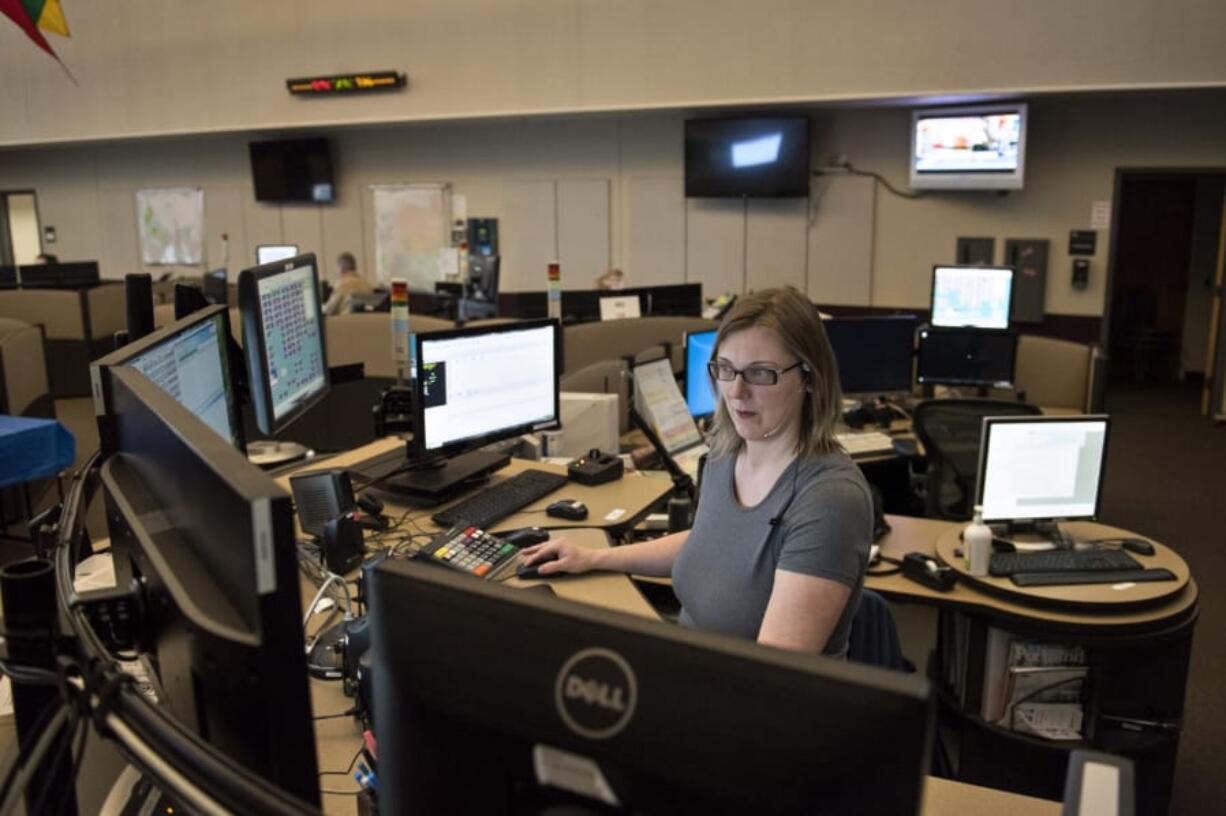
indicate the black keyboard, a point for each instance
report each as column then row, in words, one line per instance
column 1061, row 561
column 492, row 505
column 1137, row 575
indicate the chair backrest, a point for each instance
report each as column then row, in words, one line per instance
column 604, row 377
column 24, row 384
column 873, row 638
column 587, row 343
column 60, row 311
column 1054, row 373
column 949, row 430
column 366, row 337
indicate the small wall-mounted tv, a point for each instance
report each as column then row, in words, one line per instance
column 760, row 157
column 969, row 148
column 290, row 170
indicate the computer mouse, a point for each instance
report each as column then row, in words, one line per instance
column 570, row 509
column 526, row 537
column 532, row 572
column 1137, row 545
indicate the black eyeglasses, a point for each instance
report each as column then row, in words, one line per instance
column 754, row 374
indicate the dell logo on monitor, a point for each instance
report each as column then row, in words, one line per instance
column 596, row 693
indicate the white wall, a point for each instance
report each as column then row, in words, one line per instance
column 185, row 66
column 859, row 245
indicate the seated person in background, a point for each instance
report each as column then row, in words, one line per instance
column 780, row 544
column 349, row 283
column 612, row 280
column 46, row 258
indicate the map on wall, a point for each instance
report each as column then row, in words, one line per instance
column 412, row 233
column 170, row 223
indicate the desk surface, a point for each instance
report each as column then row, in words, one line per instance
column 924, row 535
column 337, row 740
column 614, row 506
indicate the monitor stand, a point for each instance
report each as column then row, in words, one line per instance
column 429, row 482
column 1039, row 534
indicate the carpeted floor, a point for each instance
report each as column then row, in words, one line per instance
column 1166, row 478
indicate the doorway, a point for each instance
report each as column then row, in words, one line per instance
column 1161, row 283
column 20, row 234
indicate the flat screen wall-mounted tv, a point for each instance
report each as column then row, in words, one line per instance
column 758, row 157
column 969, row 148
column 290, row 170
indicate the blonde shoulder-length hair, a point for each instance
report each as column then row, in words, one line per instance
column 793, row 319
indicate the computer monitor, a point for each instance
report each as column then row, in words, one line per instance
column 477, row 386
column 210, row 540
column 215, row 286
column 699, row 398
column 966, row 357
column 270, row 253
column 874, row 354
column 188, row 360
column 1036, row 468
column 283, row 329
column 977, row 297
column 474, row 387
column 138, row 304
column 68, row 275
column 500, row 701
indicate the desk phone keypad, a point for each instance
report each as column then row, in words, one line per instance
column 468, row 549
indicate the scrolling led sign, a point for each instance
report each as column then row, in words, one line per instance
column 347, row 83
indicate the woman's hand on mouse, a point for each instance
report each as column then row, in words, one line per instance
column 560, row 555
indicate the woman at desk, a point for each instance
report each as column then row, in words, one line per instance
column 780, row 543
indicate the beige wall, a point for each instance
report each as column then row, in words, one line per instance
column 185, row 66
column 1074, row 145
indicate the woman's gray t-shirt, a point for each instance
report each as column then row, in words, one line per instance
column 816, row 520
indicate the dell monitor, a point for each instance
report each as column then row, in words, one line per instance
column 984, row 359
column 283, row 328
column 976, row 297
column 474, row 387
column 501, row 701
column 215, row 286
column 1034, row 469
column 874, row 354
column 189, row 360
column 969, row 148
column 209, row 540
column 270, row 253
column 699, row 397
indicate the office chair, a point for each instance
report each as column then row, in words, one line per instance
column 949, row 430
column 873, row 638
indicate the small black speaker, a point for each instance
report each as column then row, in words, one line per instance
column 342, row 545
column 321, row 496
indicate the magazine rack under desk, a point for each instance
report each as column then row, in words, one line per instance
column 1138, row 668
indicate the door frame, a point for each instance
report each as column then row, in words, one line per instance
column 38, row 216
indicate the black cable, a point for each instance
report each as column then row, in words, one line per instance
column 78, row 757
column 352, row 762
column 882, row 180
column 348, row 713
column 75, row 722
column 43, row 719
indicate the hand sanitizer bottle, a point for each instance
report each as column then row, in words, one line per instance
column 977, row 542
